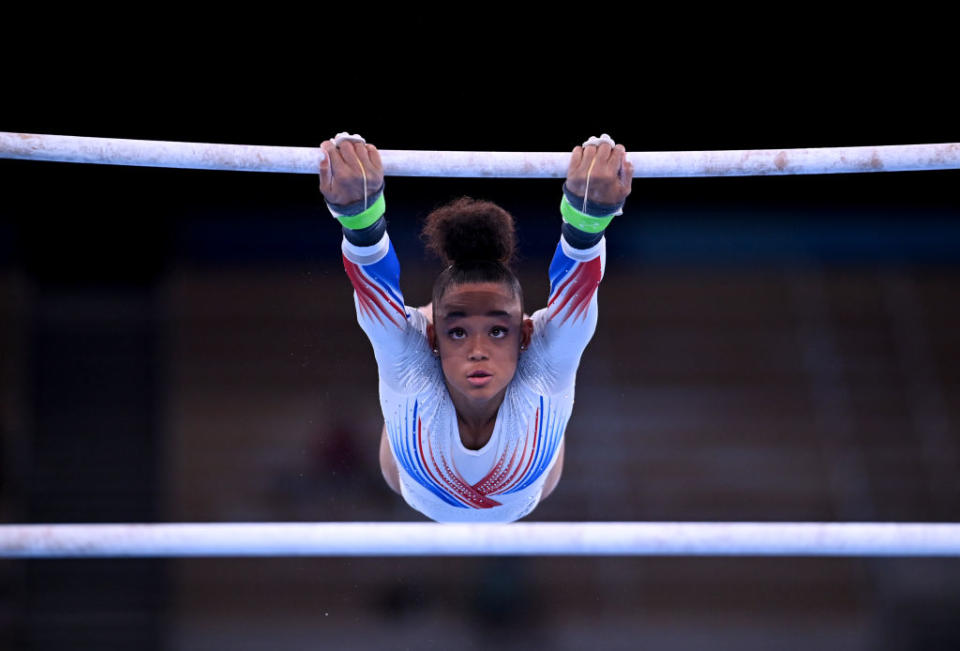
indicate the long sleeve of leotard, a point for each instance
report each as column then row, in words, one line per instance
column 396, row 331
column 565, row 327
column 567, row 324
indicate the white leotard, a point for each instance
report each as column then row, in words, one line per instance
column 439, row 476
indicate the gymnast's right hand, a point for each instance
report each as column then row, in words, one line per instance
column 348, row 169
column 600, row 167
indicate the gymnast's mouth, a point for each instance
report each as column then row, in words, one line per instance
column 479, row 378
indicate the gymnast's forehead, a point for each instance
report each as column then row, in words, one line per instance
column 478, row 299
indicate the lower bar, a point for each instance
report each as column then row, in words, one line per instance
column 517, row 539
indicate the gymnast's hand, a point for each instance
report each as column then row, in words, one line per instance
column 343, row 169
column 610, row 173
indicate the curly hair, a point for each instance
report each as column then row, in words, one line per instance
column 477, row 240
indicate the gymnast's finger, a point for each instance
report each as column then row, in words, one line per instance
column 617, row 156
column 627, row 179
column 589, row 155
column 326, row 165
column 604, row 151
column 613, row 165
column 576, row 160
column 360, row 149
column 350, row 149
column 337, row 162
column 373, row 155
column 370, row 159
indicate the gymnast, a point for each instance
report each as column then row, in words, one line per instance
column 475, row 393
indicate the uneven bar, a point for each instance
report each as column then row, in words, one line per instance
column 518, row 539
column 479, row 164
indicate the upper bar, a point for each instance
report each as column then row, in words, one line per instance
column 479, row 164
column 527, row 539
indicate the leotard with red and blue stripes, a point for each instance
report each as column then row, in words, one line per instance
column 439, row 476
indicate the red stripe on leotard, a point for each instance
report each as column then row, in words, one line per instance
column 456, row 486
column 583, row 282
column 373, row 300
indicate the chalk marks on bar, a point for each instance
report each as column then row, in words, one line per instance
column 479, row 164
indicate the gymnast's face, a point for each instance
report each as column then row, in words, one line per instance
column 478, row 330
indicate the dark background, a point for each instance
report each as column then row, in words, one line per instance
column 147, row 312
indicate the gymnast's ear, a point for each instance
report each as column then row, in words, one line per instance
column 526, row 333
column 431, row 336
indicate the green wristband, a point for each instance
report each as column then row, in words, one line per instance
column 367, row 218
column 582, row 220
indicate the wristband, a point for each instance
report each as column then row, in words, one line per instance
column 576, row 238
column 362, row 219
column 581, row 220
column 591, row 207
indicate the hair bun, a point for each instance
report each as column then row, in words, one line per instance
column 469, row 230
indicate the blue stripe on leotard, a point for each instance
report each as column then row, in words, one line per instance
column 560, row 266
column 547, row 443
column 386, row 272
column 406, row 454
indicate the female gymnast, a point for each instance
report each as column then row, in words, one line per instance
column 475, row 394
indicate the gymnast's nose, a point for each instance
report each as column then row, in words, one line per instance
column 478, row 351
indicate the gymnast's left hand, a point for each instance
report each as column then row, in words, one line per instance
column 344, row 169
column 610, row 173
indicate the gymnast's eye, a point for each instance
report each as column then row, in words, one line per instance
column 456, row 333
column 503, row 332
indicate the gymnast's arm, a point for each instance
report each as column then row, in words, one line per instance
column 600, row 172
column 369, row 258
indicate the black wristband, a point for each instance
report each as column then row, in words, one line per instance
column 593, row 208
column 366, row 236
column 579, row 239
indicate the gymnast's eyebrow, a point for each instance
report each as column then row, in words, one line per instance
column 459, row 314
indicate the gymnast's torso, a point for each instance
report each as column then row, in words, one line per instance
column 441, row 477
